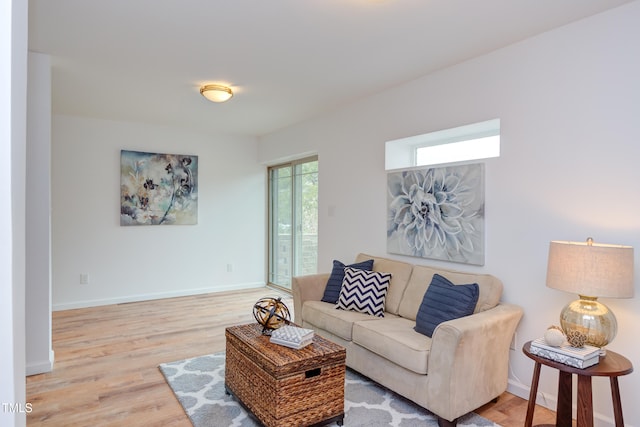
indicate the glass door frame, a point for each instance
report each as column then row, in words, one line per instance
column 271, row 257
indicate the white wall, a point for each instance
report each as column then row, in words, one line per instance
column 144, row 262
column 39, row 348
column 568, row 101
column 13, row 86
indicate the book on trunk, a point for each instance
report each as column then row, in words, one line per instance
column 292, row 336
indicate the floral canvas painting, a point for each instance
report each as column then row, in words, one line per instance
column 437, row 213
column 158, row 189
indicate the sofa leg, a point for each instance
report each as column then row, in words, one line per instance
column 445, row 423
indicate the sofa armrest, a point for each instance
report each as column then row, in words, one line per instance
column 469, row 360
column 307, row 288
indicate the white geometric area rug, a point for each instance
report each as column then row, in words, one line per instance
column 198, row 383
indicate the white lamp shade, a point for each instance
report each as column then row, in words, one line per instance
column 591, row 269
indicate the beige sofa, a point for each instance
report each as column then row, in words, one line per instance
column 460, row 368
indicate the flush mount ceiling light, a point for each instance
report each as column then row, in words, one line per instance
column 216, row 93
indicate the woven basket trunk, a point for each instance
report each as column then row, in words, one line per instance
column 283, row 386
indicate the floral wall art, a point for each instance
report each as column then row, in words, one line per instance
column 158, row 189
column 437, row 213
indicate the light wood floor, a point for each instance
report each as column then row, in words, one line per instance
column 106, row 361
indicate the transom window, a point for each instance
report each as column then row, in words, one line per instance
column 470, row 142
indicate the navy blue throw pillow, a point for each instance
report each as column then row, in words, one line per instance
column 445, row 301
column 334, row 284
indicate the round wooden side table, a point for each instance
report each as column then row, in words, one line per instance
column 612, row 365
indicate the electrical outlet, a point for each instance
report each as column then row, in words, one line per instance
column 84, row 278
column 229, row 268
column 514, row 341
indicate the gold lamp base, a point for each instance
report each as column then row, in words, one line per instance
column 591, row 318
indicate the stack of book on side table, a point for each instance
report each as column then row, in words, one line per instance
column 292, row 336
column 578, row 357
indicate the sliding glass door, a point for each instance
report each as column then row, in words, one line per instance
column 293, row 221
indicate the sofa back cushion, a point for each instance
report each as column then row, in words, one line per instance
column 400, row 273
column 490, row 288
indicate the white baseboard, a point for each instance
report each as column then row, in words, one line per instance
column 523, row 390
column 154, row 296
column 40, row 367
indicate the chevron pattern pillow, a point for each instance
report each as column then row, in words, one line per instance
column 364, row 291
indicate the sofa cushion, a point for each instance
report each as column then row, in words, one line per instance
column 490, row 288
column 334, row 284
column 445, row 301
column 323, row 315
column 395, row 339
column 364, row 291
column 400, row 273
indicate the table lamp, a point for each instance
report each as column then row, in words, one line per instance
column 590, row 270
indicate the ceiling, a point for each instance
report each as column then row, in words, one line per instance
column 286, row 60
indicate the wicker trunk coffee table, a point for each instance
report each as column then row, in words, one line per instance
column 281, row 386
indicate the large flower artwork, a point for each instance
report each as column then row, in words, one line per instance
column 158, row 189
column 437, row 213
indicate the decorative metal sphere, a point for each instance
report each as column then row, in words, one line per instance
column 271, row 313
